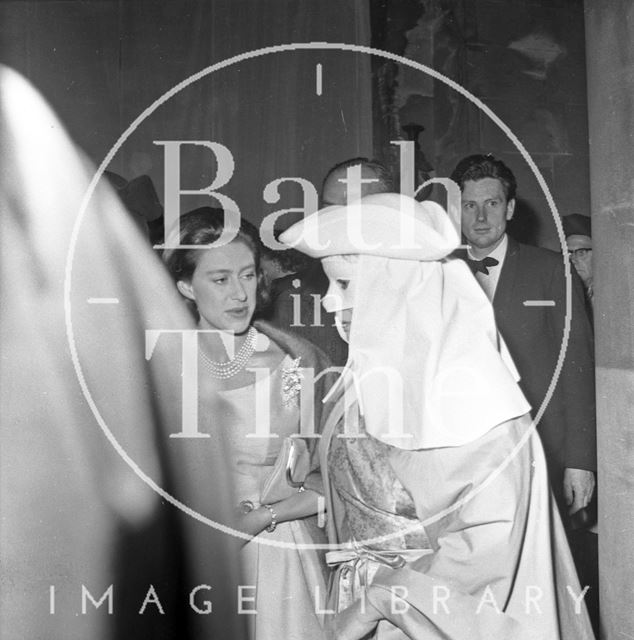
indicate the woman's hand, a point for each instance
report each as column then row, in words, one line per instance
column 299, row 505
column 252, row 522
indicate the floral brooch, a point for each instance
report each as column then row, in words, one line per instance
column 291, row 383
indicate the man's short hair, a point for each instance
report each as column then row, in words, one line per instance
column 385, row 181
column 478, row 166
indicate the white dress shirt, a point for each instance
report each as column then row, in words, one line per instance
column 489, row 282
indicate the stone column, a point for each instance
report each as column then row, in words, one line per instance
column 610, row 65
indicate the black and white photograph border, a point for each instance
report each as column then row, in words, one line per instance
column 107, row 514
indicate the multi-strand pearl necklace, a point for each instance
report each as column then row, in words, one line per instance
column 224, row 370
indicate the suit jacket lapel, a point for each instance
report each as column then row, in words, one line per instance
column 506, row 282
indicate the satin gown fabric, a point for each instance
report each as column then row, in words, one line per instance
column 282, row 579
column 496, row 547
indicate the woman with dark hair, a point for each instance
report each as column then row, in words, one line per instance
column 251, row 392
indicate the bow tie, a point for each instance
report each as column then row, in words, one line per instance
column 482, row 265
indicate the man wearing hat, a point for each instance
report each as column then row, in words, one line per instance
column 578, row 232
column 141, row 201
column 583, row 541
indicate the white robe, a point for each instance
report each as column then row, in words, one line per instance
column 499, row 565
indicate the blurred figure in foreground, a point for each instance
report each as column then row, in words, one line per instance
column 90, row 547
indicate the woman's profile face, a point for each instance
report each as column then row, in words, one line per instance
column 339, row 298
column 223, row 286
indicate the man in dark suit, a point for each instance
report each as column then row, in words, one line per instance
column 578, row 232
column 527, row 286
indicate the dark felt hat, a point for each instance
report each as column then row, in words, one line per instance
column 577, row 225
column 138, row 195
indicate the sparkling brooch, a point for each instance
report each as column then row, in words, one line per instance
column 291, row 383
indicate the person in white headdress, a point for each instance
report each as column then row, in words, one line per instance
column 440, row 517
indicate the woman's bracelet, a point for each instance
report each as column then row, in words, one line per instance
column 273, row 524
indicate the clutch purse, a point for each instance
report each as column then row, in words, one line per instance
column 289, row 471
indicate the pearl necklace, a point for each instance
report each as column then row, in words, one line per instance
column 225, row 370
